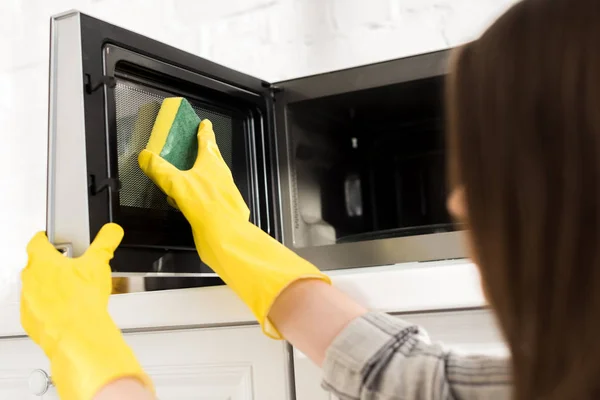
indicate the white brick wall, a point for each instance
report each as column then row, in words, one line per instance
column 272, row 39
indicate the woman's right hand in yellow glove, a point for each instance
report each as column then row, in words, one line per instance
column 252, row 263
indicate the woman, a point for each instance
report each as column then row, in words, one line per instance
column 524, row 144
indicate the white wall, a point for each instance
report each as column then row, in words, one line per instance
column 272, row 39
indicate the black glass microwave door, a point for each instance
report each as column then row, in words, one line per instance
column 140, row 86
column 125, row 78
column 142, row 207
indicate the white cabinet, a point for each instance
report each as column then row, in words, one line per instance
column 234, row 363
column 465, row 331
column 238, row 363
column 18, row 359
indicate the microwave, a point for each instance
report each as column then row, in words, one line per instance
column 345, row 168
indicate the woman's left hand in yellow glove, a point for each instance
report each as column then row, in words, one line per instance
column 64, row 309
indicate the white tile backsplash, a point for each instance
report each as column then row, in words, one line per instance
column 354, row 15
column 23, row 117
column 6, row 90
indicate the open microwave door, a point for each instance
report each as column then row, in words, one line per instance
column 106, row 87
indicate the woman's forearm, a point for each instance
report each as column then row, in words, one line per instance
column 311, row 313
column 125, row 389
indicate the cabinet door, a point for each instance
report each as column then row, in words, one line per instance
column 220, row 363
column 19, row 359
column 464, row 331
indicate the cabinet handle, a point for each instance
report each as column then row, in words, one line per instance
column 39, row 382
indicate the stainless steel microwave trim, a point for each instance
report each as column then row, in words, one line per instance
column 371, row 253
column 367, row 77
column 67, row 192
column 142, row 275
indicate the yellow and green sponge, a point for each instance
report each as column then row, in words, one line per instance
column 174, row 135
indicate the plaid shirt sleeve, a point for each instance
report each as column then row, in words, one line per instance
column 380, row 357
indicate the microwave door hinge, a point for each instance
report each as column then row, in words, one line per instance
column 96, row 187
column 92, row 85
column 273, row 89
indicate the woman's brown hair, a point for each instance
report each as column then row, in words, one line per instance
column 524, row 140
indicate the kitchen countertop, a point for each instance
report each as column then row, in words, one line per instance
column 400, row 288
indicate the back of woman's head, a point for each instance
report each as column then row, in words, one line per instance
column 524, row 140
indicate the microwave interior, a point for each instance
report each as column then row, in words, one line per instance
column 369, row 164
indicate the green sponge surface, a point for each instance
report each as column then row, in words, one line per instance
column 181, row 146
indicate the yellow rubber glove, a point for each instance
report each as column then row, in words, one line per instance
column 64, row 309
column 252, row 263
